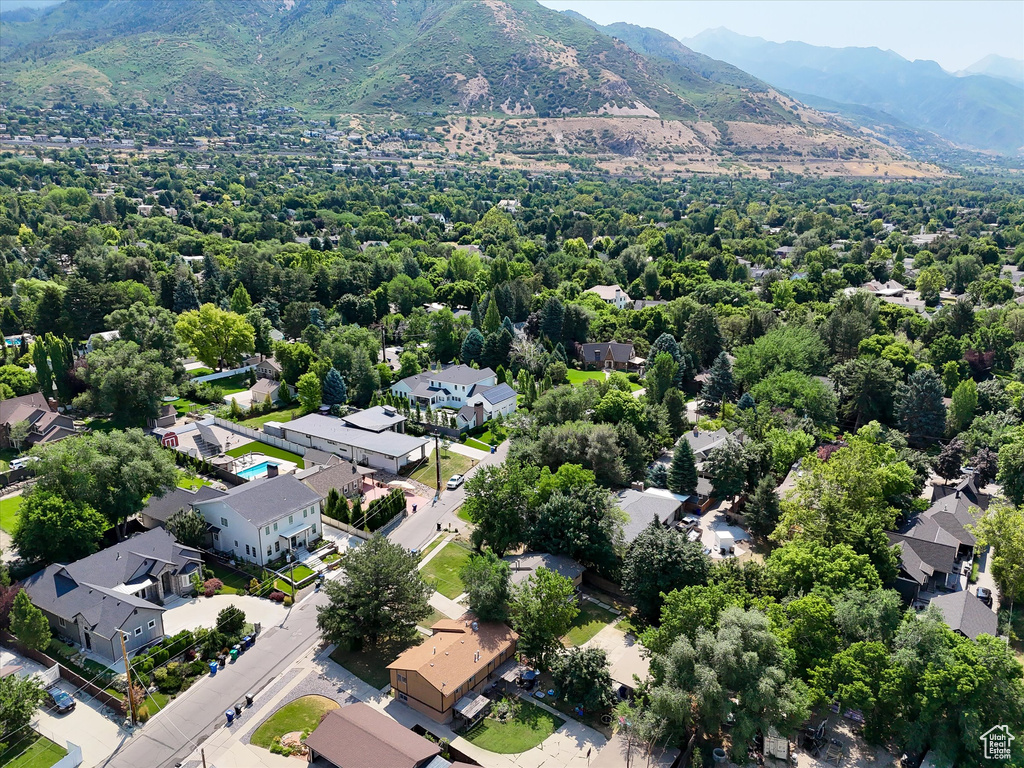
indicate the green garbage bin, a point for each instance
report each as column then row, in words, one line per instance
column 234, row 653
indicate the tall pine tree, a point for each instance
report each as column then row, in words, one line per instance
column 682, row 472
column 720, row 386
column 919, row 407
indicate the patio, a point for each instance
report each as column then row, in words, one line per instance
column 202, row 611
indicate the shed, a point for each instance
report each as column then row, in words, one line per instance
column 724, row 541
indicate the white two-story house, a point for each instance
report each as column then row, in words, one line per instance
column 448, row 388
column 261, row 519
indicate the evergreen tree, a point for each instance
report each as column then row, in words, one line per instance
column 703, row 336
column 335, row 392
column 762, row 512
column 919, row 407
column 675, row 412
column 682, row 472
column 720, row 386
column 40, row 359
column 28, row 623
column 552, row 314
column 240, row 301
column 472, row 347
column 492, row 319
column 185, row 297
column 474, row 315
column 746, row 402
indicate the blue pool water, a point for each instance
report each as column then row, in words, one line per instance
column 256, row 470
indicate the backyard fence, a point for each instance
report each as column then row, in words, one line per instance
column 222, row 374
column 66, row 674
column 72, row 759
column 258, row 435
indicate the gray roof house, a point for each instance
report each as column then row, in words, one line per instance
column 485, row 403
column 448, row 387
column 387, row 450
column 643, row 507
column 965, row 613
column 379, row 418
column 924, row 565
column 615, row 355
column 260, row 520
column 119, row 589
column 159, row 509
column 340, row 474
column 525, row 565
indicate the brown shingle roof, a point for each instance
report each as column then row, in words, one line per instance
column 16, row 409
column 449, row 657
column 358, row 736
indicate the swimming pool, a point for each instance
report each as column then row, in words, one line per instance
column 256, row 470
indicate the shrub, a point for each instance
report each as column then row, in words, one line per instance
column 142, row 713
column 212, row 586
column 287, row 600
column 158, row 657
column 197, row 667
column 277, row 597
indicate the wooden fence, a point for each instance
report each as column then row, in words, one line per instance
column 66, row 674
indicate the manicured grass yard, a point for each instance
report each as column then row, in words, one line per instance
column 233, row 580
column 33, row 751
column 257, row 422
column 370, row 666
column 451, row 464
column 303, row 714
column 591, row 620
column 267, row 450
column 443, row 570
column 526, row 730
column 10, row 514
column 576, row 378
column 300, row 572
column 156, row 701
column 432, row 618
column 431, row 547
column 190, row 483
column 474, row 443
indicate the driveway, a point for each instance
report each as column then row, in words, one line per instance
column 713, row 521
column 202, row 612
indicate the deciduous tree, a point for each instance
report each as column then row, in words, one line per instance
column 55, row 530
column 542, row 610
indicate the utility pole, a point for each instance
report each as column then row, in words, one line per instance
column 128, row 674
column 202, row 754
column 437, row 454
column 383, row 343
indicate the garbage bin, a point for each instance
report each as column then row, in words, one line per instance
column 230, row 715
column 222, row 660
column 238, row 710
column 248, row 699
column 234, row 654
column 247, row 641
column 213, row 668
column 494, row 449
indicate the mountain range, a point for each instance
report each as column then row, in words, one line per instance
column 977, row 111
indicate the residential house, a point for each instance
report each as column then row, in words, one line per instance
column 358, row 736
column 158, row 509
column 121, row 589
column 445, row 388
column 611, row 294
column 461, row 656
column 386, row 450
column 642, row 507
column 265, row 367
column 44, row 425
column 259, row 520
column 102, row 337
column 612, row 355
column 264, row 388
column 167, row 416
column 925, row 566
column 380, row 418
column 341, row 475
column 525, row 565
column 966, row 614
column 484, row 404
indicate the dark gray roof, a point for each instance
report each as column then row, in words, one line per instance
column 642, row 508
column 703, row 442
column 263, row 501
column 523, row 566
column 498, row 394
column 966, row 613
column 455, row 374
column 162, row 507
column 620, row 352
column 376, row 419
column 324, row 478
column 90, row 586
column 921, row 559
column 330, row 428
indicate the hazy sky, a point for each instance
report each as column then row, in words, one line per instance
column 955, row 33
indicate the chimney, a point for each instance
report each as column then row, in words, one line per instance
column 957, row 493
column 271, row 470
column 696, row 432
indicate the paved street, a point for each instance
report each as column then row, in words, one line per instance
column 417, row 529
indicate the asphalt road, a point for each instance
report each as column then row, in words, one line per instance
column 176, row 731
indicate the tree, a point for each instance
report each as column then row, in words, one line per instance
column 185, row 297
column 126, row 381
column 310, row 392
column 578, row 522
column 29, row 624
column 380, row 599
column 720, row 386
column 805, row 396
column 472, row 347
column 703, row 336
column 492, row 317
column 727, row 465
column 487, row 582
column 334, row 390
column 55, row 530
column 189, row 527
column 951, row 459
column 19, row 699
column 18, row 379
column 740, row 669
column 762, row 511
column 216, row 336
column 41, row 360
column 444, row 338
column 964, row 404
column 791, row 348
column 919, row 407
column 582, row 676
column 863, row 677
column 552, row 314
column 801, row 566
column 363, row 378
column 871, row 616
column 410, row 364
column 61, row 353
column 496, row 349
column 1002, row 529
column 682, row 472
column 114, row 472
column 542, row 610
column 658, row 561
column 240, row 301
column 660, row 377
column 231, row 621
column 929, row 283
column 499, row 502
column 867, row 389
column 675, row 412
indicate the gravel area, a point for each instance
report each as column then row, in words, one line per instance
column 312, row 684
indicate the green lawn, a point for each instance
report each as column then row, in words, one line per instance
column 369, row 666
column 451, row 464
column 303, row 714
column 463, row 515
column 576, row 378
column 156, row 701
column 443, row 570
column 300, row 572
column 494, row 437
column 474, row 443
column 232, row 384
column 530, row 726
column 197, row 372
column 233, row 580
column 10, row 514
column 190, row 483
column 591, row 620
column 431, row 619
column 432, row 546
column 267, row 450
column 257, row 422
column 33, row 751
